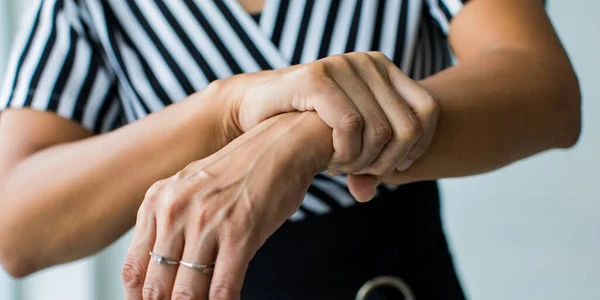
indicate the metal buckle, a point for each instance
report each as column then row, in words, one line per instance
column 377, row 282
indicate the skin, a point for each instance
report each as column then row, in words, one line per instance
column 488, row 118
column 252, row 6
column 381, row 119
column 223, row 208
column 202, row 124
column 486, row 123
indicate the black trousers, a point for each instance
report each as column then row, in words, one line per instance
column 399, row 233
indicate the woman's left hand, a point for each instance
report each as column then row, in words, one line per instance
column 221, row 209
column 382, row 120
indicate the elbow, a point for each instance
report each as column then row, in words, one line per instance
column 16, row 268
column 13, row 258
column 568, row 112
column 13, row 262
column 558, row 92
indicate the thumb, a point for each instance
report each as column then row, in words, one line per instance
column 362, row 187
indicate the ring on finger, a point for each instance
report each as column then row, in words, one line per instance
column 162, row 260
column 205, row 269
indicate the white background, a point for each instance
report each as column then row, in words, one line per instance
column 528, row 231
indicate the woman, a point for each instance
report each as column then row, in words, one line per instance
column 118, row 100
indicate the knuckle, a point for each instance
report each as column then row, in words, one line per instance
column 154, row 191
column 363, row 59
column 133, row 273
column 314, row 70
column 190, row 171
column 143, row 212
column 154, row 291
column 351, row 121
column 183, row 292
column 382, row 62
column 381, row 132
column 315, row 77
column 221, row 292
column 411, row 131
column 378, row 55
column 172, row 210
column 216, row 85
column 338, row 59
column 431, row 105
column 368, row 68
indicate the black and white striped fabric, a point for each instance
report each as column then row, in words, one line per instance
column 106, row 63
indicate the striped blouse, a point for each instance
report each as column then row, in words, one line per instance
column 106, row 63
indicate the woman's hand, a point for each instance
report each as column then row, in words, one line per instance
column 382, row 120
column 222, row 209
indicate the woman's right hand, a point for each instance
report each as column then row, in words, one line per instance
column 222, row 208
column 382, row 120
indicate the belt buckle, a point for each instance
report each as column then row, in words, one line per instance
column 377, row 282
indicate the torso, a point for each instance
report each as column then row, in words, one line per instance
column 108, row 63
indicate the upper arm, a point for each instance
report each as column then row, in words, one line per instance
column 487, row 25
column 58, row 87
column 25, row 132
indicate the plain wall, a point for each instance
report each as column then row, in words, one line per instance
column 528, row 231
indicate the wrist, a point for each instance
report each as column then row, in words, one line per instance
column 308, row 140
column 225, row 103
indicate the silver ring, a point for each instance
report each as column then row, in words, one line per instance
column 205, row 269
column 375, row 283
column 162, row 260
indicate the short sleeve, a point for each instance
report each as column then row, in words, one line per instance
column 56, row 66
column 442, row 11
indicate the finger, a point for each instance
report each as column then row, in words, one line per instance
column 332, row 104
column 192, row 283
column 424, row 105
column 230, row 269
column 405, row 126
column 376, row 128
column 419, row 148
column 428, row 122
column 136, row 261
column 362, row 187
column 160, row 277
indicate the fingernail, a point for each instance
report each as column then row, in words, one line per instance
column 404, row 165
column 332, row 173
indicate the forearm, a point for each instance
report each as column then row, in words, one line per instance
column 75, row 198
column 497, row 109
